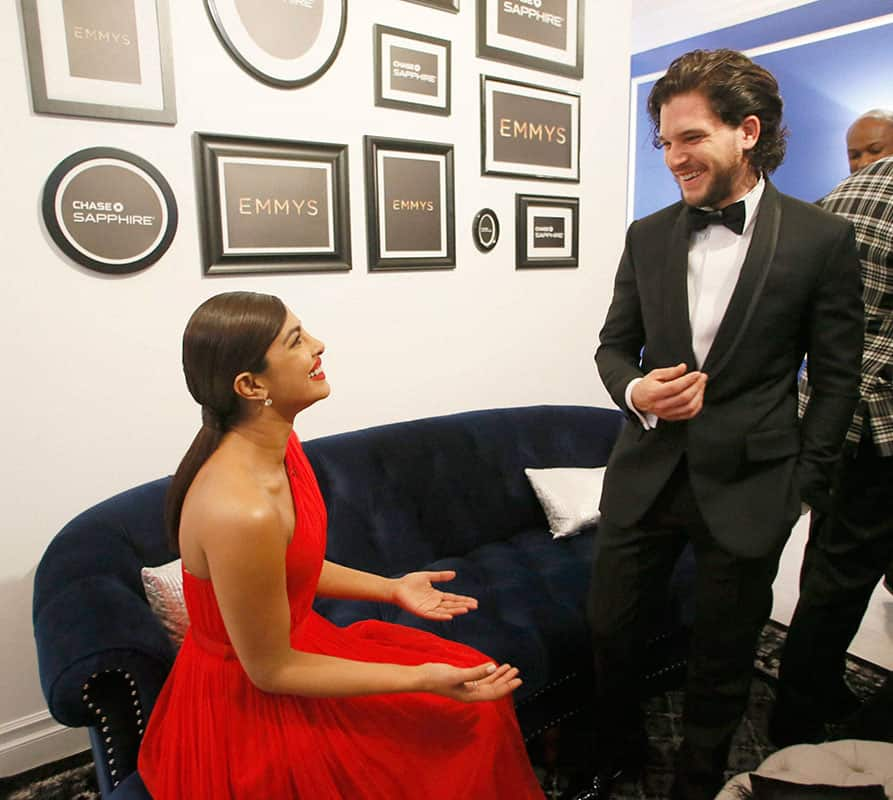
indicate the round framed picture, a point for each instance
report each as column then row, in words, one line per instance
column 485, row 229
column 285, row 43
column 109, row 210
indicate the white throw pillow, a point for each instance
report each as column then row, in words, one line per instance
column 569, row 496
column 164, row 591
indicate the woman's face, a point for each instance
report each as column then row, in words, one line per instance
column 294, row 376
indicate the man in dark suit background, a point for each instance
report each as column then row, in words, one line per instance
column 716, row 300
column 851, row 544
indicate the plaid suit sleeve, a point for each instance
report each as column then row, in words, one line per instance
column 866, row 199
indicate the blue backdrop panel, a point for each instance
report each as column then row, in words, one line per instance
column 825, row 85
column 819, row 15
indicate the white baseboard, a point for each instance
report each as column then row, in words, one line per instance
column 37, row 739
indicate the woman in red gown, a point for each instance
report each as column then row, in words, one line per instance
column 267, row 699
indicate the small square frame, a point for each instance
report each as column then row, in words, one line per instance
column 562, row 213
column 383, row 228
column 388, row 96
column 221, row 161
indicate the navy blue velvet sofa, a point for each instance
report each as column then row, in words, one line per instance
column 445, row 492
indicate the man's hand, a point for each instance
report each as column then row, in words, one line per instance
column 670, row 393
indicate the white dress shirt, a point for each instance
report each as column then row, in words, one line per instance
column 715, row 257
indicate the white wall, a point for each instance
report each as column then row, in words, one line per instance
column 94, row 401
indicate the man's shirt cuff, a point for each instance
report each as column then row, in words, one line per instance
column 648, row 420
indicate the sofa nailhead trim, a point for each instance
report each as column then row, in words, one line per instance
column 552, row 723
column 103, row 719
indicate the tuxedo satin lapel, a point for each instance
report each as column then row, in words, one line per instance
column 746, row 294
column 675, row 290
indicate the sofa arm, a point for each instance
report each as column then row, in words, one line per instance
column 118, row 724
column 98, row 625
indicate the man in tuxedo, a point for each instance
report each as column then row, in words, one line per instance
column 851, row 543
column 716, row 300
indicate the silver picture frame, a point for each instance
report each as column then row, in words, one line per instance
column 110, row 59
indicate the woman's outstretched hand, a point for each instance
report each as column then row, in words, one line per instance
column 470, row 684
column 414, row 593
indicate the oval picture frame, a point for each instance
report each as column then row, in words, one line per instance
column 485, row 230
column 106, row 200
column 258, row 58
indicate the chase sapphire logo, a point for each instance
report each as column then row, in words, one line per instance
column 109, row 210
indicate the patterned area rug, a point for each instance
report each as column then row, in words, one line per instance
column 74, row 778
column 751, row 745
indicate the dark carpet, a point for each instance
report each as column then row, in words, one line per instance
column 74, row 779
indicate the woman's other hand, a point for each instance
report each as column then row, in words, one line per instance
column 470, row 684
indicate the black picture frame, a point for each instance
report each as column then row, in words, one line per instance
column 127, row 74
column 121, row 219
column 441, row 5
column 517, row 47
column 529, row 131
column 414, row 241
column 556, row 214
column 306, row 63
column 485, row 230
column 244, row 177
column 388, row 69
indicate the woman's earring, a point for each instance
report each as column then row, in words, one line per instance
column 268, row 402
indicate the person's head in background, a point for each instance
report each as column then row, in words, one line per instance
column 870, row 138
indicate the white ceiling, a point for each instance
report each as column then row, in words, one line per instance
column 659, row 22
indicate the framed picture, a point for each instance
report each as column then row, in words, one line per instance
column 271, row 205
column 443, row 5
column 546, row 231
column 284, row 43
column 529, row 131
column 540, row 34
column 109, row 210
column 412, row 71
column 485, row 230
column 410, row 206
column 103, row 58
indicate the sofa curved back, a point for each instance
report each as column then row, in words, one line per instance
column 412, row 493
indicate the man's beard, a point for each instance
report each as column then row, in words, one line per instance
column 719, row 189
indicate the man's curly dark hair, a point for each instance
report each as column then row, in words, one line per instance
column 736, row 88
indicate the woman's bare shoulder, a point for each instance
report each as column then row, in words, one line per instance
column 226, row 508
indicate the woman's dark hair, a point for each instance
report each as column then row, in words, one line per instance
column 227, row 334
column 736, row 88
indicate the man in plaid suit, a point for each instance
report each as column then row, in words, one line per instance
column 851, row 545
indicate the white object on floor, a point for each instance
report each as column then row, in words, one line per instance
column 849, row 762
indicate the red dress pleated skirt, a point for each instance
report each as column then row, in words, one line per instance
column 214, row 736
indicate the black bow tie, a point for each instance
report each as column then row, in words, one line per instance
column 731, row 216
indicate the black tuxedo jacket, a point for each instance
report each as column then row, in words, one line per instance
column 750, row 459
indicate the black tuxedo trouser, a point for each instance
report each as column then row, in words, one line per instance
column 733, row 599
column 846, row 555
